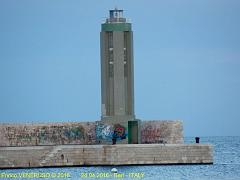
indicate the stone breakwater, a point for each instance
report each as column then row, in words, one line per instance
column 122, row 154
column 87, row 143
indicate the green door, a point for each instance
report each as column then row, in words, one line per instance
column 132, row 132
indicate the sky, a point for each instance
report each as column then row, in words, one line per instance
column 186, row 61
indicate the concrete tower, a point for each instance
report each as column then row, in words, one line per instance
column 117, row 68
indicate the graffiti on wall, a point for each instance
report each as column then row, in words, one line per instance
column 62, row 134
column 72, row 133
column 153, row 134
column 119, row 132
column 108, row 132
column 104, row 131
column 16, row 136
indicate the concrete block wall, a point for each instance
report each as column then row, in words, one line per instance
column 169, row 132
column 11, row 157
column 124, row 154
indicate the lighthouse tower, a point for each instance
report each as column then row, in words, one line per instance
column 117, row 76
column 117, row 86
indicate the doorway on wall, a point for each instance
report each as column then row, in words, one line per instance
column 132, row 132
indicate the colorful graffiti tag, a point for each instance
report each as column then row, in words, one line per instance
column 119, row 132
column 104, row 131
column 108, row 132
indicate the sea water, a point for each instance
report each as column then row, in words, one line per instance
column 226, row 166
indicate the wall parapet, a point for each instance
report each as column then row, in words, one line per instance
column 84, row 133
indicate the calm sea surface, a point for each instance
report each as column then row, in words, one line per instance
column 226, row 166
